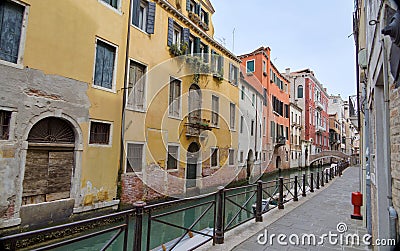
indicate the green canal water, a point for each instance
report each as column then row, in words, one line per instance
column 161, row 233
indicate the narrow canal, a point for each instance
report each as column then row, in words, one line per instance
column 162, row 233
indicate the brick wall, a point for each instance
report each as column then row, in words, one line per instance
column 395, row 146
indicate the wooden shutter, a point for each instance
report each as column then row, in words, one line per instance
column 232, row 117
column 206, row 53
column 135, row 12
column 220, row 63
column 11, row 15
column 206, row 18
column 177, row 93
column 98, row 73
column 151, row 15
column 230, row 72
column 170, row 31
column 134, row 158
column 109, row 59
column 188, row 5
column 186, row 38
column 197, row 9
column 196, row 45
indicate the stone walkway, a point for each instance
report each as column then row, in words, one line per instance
column 317, row 214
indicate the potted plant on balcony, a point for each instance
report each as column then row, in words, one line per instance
column 178, row 49
column 198, row 67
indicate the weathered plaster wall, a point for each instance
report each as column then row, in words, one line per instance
column 31, row 95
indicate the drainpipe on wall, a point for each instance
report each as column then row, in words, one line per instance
column 387, row 151
column 122, row 151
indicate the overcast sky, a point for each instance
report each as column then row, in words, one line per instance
column 301, row 34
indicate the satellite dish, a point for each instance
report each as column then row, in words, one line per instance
column 362, row 58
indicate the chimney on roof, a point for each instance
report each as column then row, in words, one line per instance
column 288, row 71
column 325, row 89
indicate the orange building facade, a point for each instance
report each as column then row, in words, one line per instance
column 276, row 131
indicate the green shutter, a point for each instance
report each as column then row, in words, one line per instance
column 151, row 15
column 206, row 53
column 196, row 45
column 135, row 12
column 170, row 38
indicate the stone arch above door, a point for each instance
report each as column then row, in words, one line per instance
column 50, row 161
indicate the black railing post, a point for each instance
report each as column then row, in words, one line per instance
column 340, row 170
column 322, row 178
column 219, row 231
column 296, row 183
column 327, row 176
column 139, row 208
column 304, row 185
column 280, row 202
column 259, row 217
column 126, row 232
column 317, row 180
column 331, row 173
column 311, row 182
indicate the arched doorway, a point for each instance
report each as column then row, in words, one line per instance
column 278, row 162
column 250, row 162
column 192, row 163
column 49, row 161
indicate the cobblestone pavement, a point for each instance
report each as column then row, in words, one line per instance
column 317, row 216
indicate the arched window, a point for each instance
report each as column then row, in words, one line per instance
column 300, row 91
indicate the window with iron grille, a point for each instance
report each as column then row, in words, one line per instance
column 99, row 133
column 5, row 117
column 134, row 158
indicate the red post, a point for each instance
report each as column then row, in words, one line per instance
column 357, row 201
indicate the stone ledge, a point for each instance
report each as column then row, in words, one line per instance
column 10, row 223
column 114, row 204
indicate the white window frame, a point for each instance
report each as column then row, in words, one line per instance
column 143, row 156
column 22, row 41
column 177, row 34
column 177, row 160
column 113, row 89
column 171, row 78
column 211, row 152
column 145, row 87
column 110, row 136
column 116, row 10
column 247, row 69
column 145, row 5
column 233, row 157
column 264, row 66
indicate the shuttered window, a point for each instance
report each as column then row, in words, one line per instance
column 252, row 128
column 11, row 16
column 172, row 161
column 214, row 157
column 136, row 86
column 5, row 117
column 174, row 98
column 241, row 124
column 300, row 92
column 233, row 74
column 232, row 116
column 99, row 133
column 104, row 69
column 215, row 110
column 143, row 15
column 243, row 92
column 231, row 161
column 134, row 154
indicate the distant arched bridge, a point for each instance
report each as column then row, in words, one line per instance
column 327, row 154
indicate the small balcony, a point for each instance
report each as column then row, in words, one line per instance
column 319, row 105
column 196, row 126
column 280, row 141
column 320, row 129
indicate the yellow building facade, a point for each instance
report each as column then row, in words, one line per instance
column 71, row 88
column 182, row 104
column 62, row 77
